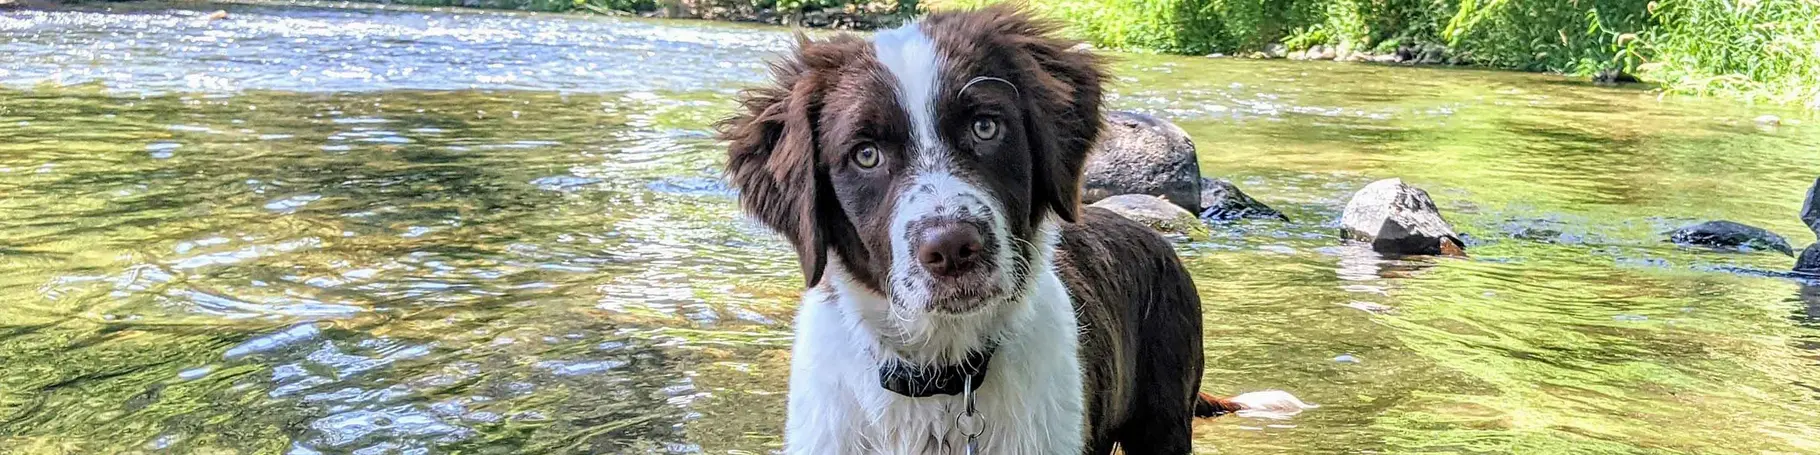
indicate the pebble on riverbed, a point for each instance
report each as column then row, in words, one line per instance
column 1399, row 219
column 1373, row 308
column 1730, row 235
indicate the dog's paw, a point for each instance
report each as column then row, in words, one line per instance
column 1270, row 404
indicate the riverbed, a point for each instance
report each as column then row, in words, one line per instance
column 335, row 229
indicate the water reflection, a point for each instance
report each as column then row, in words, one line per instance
column 1809, row 297
column 450, row 263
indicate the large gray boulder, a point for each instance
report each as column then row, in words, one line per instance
column 1810, row 210
column 1399, row 219
column 1730, row 235
column 1222, row 201
column 1155, row 212
column 1141, row 154
column 1809, row 263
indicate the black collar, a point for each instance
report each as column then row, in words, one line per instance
column 918, row 381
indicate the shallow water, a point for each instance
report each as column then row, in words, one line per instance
column 308, row 230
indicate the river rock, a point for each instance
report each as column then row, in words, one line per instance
column 815, row 19
column 1407, row 53
column 1156, row 212
column 1275, row 50
column 1399, row 219
column 1432, row 54
column 1221, row 200
column 1323, row 53
column 1809, row 263
column 1727, row 234
column 1810, row 210
column 1140, row 154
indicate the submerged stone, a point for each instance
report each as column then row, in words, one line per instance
column 1731, row 235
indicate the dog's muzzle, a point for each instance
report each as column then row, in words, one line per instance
column 958, row 261
column 949, row 249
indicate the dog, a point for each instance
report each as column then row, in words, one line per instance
column 960, row 298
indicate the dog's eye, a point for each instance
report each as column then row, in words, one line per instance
column 985, row 128
column 866, row 156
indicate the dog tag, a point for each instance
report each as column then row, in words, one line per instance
column 969, row 421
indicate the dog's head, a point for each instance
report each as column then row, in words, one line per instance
column 929, row 161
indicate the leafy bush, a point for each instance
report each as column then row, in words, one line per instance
column 1184, row 26
column 1576, row 37
column 1768, row 50
column 1755, row 49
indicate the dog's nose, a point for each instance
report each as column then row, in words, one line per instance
column 950, row 249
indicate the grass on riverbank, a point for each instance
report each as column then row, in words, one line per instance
column 1760, row 51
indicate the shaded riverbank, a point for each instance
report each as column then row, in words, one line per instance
column 357, row 230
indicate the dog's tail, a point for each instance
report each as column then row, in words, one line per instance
column 1207, row 405
column 1269, row 404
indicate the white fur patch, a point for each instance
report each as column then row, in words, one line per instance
column 1032, row 399
column 911, row 58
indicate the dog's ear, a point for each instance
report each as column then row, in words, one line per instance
column 1064, row 95
column 771, row 156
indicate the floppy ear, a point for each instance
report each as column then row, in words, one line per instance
column 1064, row 98
column 771, row 154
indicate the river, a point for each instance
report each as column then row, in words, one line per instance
column 356, row 230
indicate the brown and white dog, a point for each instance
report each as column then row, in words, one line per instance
column 929, row 180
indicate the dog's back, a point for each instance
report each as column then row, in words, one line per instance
column 1140, row 323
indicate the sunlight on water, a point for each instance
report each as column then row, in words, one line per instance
column 152, row 48
column 310, row 230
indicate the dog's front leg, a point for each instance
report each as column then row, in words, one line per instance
column 822, row 422
column 824, row 415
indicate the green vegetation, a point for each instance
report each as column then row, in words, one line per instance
column 1756, row 50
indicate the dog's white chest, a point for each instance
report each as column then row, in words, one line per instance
column 1031, row 404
